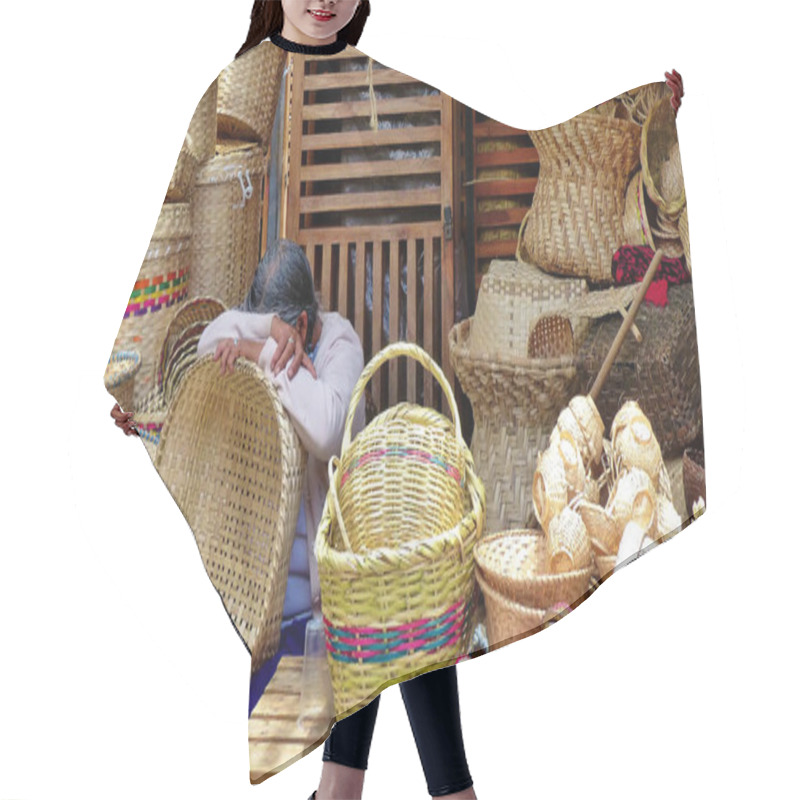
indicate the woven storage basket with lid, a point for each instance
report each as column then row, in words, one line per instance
column 575, row 222
column 162, row 286
column 248, row 93
column 515, row 403
column 233, row 463
column 512, row 297
column 226, row 222
column 394, row 546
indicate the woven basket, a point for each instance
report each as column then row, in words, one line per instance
column 661, row 159
column 694, row 477
column 149, row 418
column 515, row 404
column 179, row 349
column 506, row 619
column 248, row 93
column 396, row 573
column 119, row 376
column 197, row 147
column 514, row 564
column 636, row 216
column 674, row 469
column 226, row 223
column 575, row 223
column 511, row 299
column 641, row 100
column 234, row 465
column 661, row 374
column 683, row 228
column 604, row 566
column 160, row 289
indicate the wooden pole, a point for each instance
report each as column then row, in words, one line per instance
column 626, row 325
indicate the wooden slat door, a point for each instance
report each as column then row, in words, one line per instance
column 368, row 206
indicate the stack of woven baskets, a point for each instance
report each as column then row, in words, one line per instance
column 394, row 546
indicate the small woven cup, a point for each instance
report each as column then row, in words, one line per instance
column 568, row 546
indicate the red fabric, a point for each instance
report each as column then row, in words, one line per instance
column 630, row 263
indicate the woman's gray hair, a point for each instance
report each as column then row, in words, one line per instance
column 284, row 285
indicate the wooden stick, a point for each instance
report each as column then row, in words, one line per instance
column 626, row 325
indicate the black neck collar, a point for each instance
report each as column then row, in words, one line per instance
column 309, row 49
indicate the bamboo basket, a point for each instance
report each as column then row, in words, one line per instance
column 661, row 373
column 119, row 376
column 636, row 215
column 226, row 223
column 234, row 465
column 197, row 147
column 514, row 564
column 511, row 299
column 248, row 93
column 160, row 289
column 515, row 403
column 507, row 620
column 396, row 570
column 683, row 228
column 694, row 477
column 661, row 159
column 575, row 225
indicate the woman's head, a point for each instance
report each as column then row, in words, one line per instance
column 283, row 285
column 317, row 20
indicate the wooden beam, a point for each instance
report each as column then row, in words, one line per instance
column 386, row 136
column 363, row 108
column 371, row 169
column 503, row 188
column 400, row 198
column 502, row 158
column 348, row 80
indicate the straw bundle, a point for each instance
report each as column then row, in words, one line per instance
column 234, row 465
column 575, row 222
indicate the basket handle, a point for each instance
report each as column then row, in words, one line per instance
column 393, row 351
column 335, row 499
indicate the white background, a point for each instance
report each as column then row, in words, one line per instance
column 120, row 673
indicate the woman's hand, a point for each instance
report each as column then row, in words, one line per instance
column 675, row 82
column 124, row 420
column 228, row 350
column 290, row 345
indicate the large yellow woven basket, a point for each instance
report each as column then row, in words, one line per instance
column 394, row 545
column 233, row 463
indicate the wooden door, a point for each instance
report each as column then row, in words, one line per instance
column 373, row 209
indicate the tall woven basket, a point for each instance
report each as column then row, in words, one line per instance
column 162, row 286
column 234, row 465
column 248, row 93
column 226, row 222
column 394, row 546
column 515, row 404
column 197, row 147
column 575, row 222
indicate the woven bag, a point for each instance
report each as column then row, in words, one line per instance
column 574, row 225
column 661, row 373
column 226, row 222
column 160, row 289
column 120, row 373
column 233, row 463
column 515, row 404
column 394, row 546
column 512, row 297
column 248, row 93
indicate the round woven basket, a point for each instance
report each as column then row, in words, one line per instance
column 604, row 566
column 203, row 125
column 149, row 418
column 512, row 297
column 226, row 223
column 120, row 373
column 514, row 564
column 661, row 159
column 160, row 289
column 635, row 219
column 515, row 404
column 248, row 93
column 575, row 222
column 234, row 465
column 180, row 184
column 396, row 570
column 506, row 619
column 179, row 348
column 694, row 477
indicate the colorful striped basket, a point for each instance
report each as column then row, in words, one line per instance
column 394, row 546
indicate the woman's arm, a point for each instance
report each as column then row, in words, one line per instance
column 318, row 407
column 235, row 324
